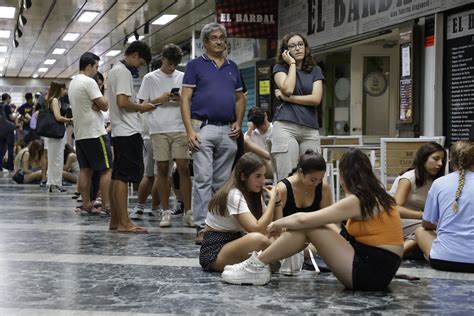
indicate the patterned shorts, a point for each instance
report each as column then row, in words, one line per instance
column 212, row 243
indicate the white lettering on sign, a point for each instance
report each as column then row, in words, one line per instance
column 247, row 18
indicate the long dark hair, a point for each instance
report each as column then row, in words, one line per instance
column 360, row 180
column 68, row 149
column 422, row 155
column 246, row 165
column 462, row 158
column 54, row 91
column 35, row 148
column 308, row 61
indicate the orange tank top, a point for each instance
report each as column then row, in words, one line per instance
column 383, row 229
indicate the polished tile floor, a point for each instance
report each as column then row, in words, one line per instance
column 54, row 262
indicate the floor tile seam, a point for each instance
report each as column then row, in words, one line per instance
column 65, row 312
column 89, row 228
column 100, row 259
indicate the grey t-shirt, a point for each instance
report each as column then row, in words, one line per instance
column 299, row 114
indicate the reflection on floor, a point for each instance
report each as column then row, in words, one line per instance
column 54, row 262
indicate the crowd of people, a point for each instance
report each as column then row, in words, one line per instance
column 182, row 130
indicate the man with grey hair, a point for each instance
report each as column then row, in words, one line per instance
column 212, row 108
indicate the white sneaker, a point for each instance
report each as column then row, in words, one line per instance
column 252, row 271
column 138, row 214
column 188, row 219
column 153, row 215
column 165, row 218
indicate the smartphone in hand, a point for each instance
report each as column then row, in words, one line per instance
column 175, row 91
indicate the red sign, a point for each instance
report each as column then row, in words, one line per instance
column 248, row 18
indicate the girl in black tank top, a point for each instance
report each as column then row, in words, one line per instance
column 290, row 205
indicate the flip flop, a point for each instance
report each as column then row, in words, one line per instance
column 134, row 230
column 105, row 212
column 81, row 210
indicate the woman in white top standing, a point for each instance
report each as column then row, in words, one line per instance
column 447, row 233
column 56, row 145
column 410, row 189
column 236, row 208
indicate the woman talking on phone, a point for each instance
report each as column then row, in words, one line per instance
column 300, row 88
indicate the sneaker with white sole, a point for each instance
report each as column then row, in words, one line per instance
column 153, row 215
column 178, row 210
column 56, row 189
column 138, row 214
column 165, row 218
column 251, row 271
column 188, row 219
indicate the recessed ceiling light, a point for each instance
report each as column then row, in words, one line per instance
column 3, row 49
column 113, row 53
column 4, row 34
column 58, row 51
column 133, row 39
column 50, row 61
column 35, row 76
column 42, row 69
column 7, row 12
column 70, row 37
column 164, row 19
column 88, row 16
column 2, row 60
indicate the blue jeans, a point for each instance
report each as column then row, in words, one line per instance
column 290, row 140
column 6, row 143
column 212, row 165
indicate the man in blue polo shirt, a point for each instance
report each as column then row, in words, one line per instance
column 212, row 108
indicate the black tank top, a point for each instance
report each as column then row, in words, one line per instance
column 290, row 206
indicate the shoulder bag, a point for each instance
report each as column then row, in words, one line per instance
column 47, row 126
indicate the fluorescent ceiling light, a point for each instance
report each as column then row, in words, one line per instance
column 4, row 34
column 43, row 70
column 113, row 53
column 58, row 51
column 133, row 39
column 7, row 12
column 164, row 19
column 35, row 76
column 3, row 49
column 2, row 60
column 88, row 16
column 70, row 37
column 50, row 61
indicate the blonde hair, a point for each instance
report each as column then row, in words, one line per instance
column 462, row 158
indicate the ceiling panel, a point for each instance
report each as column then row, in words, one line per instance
column 49, row 20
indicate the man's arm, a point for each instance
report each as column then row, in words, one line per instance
column 239, row 115
column 123, row 102
column 101, row 103
column 185, row 106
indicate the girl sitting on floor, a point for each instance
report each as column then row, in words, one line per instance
column 237, row 218
column 410, row 189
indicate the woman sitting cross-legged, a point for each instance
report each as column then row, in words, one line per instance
column 448, row 220
column 236, row 208
column 369, row 254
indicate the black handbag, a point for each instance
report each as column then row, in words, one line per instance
column 6, row 127
column 47, row 126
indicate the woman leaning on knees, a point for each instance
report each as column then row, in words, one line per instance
column 447, row 233
column 365, row 257
column 410, row 189
column 300, row 88
column 237, row 218
column 27, row 163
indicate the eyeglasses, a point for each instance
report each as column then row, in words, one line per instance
column 215, row 38
column 294, row 46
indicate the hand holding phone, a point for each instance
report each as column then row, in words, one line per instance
column 175, row 91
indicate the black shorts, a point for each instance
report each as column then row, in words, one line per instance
column 128, row 158
column 373, row 268
column 212, row 244
column 94, row 153
column 452, row 266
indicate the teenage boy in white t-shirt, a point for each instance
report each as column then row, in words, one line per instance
column 167, row 131
column 126, row 139
column 92, row 144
